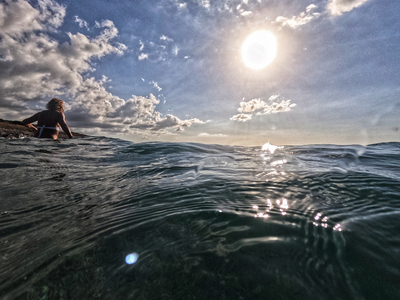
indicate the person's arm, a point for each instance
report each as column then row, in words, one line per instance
column 64, row 126
column 27, row 122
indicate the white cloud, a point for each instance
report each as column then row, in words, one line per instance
column 334, row 7
column 165, row 38
column 252, row 105
column 244, row 8
column 258, row 107
column 19, row 17
column 155, row 85
column 34, row 66
column 105, row 23
column 140, row 113
column 246, row 13
column 242, row 11
column 141, row 46
column 302, row 19
column 338, row 7
column 276, row 107
column 205, row 3
column 175, row 50
column 212, row 135
column 241, row 117
column 274, row 97
column 157, row 51
column 143, row 56
column 171, row 121
column 52, row 14
column 81, row 23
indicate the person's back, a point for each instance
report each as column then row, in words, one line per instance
column 50, row 120
column 49, row 124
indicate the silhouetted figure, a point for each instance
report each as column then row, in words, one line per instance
column 50, row 120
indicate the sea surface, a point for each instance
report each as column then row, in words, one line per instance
column 101, row 218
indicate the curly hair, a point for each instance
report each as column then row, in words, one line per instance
column 55, row 104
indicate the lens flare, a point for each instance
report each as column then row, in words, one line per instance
column 131, row 258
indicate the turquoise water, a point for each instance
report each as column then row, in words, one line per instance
column 201, row 221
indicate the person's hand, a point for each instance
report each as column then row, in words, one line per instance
column 31, row 126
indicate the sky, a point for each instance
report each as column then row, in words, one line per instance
column 174, row 70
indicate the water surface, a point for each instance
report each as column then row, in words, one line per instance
column 206, row 221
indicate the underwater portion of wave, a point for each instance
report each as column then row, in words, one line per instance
column 100, row 218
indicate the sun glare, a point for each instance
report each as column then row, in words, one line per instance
column 259, row 49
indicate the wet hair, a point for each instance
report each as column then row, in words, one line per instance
column 55, row 104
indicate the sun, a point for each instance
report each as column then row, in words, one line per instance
column 259, row 49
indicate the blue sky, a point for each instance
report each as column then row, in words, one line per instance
column 172, row 70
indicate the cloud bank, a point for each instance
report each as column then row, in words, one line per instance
column 34, row 66
column 257, row 107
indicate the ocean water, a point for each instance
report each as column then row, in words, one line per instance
column 100, row 218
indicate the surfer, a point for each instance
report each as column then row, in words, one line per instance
column 50, row 120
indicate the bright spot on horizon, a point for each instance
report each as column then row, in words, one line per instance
column 259, row 49
column 270, row 148
column 131, row 258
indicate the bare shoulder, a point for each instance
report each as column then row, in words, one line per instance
column 60, row 117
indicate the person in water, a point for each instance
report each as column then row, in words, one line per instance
column 50, row 120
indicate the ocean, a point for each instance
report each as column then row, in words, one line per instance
column 102, row 218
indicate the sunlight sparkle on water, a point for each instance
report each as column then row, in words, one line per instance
column 337, row 227
column 270, row 148
column 282, row 204
column 318, row 216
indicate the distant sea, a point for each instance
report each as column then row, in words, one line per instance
column 101, row 218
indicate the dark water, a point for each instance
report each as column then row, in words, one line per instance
column 207, row 221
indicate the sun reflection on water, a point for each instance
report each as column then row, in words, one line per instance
column 324, row 222
column 278, row 162
column 274, row 164
column 270, row 148
column 281, row 203
column 337, row 227
column 283, row 206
